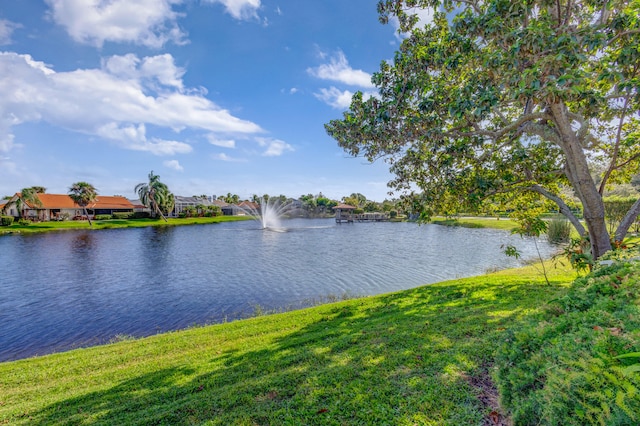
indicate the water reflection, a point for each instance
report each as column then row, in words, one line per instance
column 63, row 290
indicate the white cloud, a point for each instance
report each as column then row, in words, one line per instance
column 155, row 71
column 274, row 147
column 115, row 102
column 224, row 157
column 134, row 138
column 240, row 9
column 173, row 164
column 338, row 69
column 339, row 99
column 6, row 31
column 149, row 23
column 6, row 139
column 224, row 143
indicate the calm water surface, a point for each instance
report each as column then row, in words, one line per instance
column 63, row 290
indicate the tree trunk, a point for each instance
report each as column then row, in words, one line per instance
column 87, row 213
column 577, row 171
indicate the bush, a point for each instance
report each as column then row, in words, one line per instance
column 561, row 368
column 615, row 209
column 558, row 230
column 141, row 215
column 103, row 217
column 6, row 220
column 24, row 222
column 122, row 215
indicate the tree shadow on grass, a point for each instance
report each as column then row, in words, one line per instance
column 403, row 358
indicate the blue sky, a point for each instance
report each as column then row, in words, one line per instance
column 215, row 96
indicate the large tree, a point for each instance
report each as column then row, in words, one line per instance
column 83, row 194
column 507, row 100
column 155, row 195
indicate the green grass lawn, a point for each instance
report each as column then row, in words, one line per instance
column 420, row 356
column 36, row 227
column 478, row 222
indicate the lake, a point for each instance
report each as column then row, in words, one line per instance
column 63, row 290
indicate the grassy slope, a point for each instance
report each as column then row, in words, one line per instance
column 478, row 222
column 414, row 357
column 113, row 223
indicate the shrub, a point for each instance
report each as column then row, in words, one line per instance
column 103, row 217
column 122, row 215
column 562, row 367
column 615, row 209
column 558, row 230
column 141, row 215
column 6, row 220
column 24, row 222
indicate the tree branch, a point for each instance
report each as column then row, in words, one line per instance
column 616, row 149
column 497, row 134
column 564, row 209
column 622, row 34
column 473, row 5
column 627, row 221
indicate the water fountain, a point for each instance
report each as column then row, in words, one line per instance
column 268, row 213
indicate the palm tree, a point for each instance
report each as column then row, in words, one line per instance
column 28, row 197
column 83, row 193
column 154, row 194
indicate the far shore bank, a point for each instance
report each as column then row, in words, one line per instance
column 38, row 227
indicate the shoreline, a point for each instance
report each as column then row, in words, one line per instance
column 43, row 227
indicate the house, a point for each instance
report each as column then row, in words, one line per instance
column 228, row 209
column 181, row 203
column 249, row 207
column 61, row 206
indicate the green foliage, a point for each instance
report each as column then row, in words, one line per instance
column 558, row 230
column 496, row 101
column 83, row 193
column 616, row 208
column 632, row 362
column 124, row 215
column 564, row 367
column 511, row 251
column 141, row 215
column 156, row 196
column 24, row 222
column 103, row 217
column 6, row 220
column 578, row 255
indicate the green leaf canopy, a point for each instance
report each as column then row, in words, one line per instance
column 499, row 100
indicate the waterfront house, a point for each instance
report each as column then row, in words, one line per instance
column 62, row 206
column 181, row 203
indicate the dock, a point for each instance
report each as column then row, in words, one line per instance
column 362, row 217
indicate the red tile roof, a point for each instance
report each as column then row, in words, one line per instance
column 63, row 201
column 344, row 207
